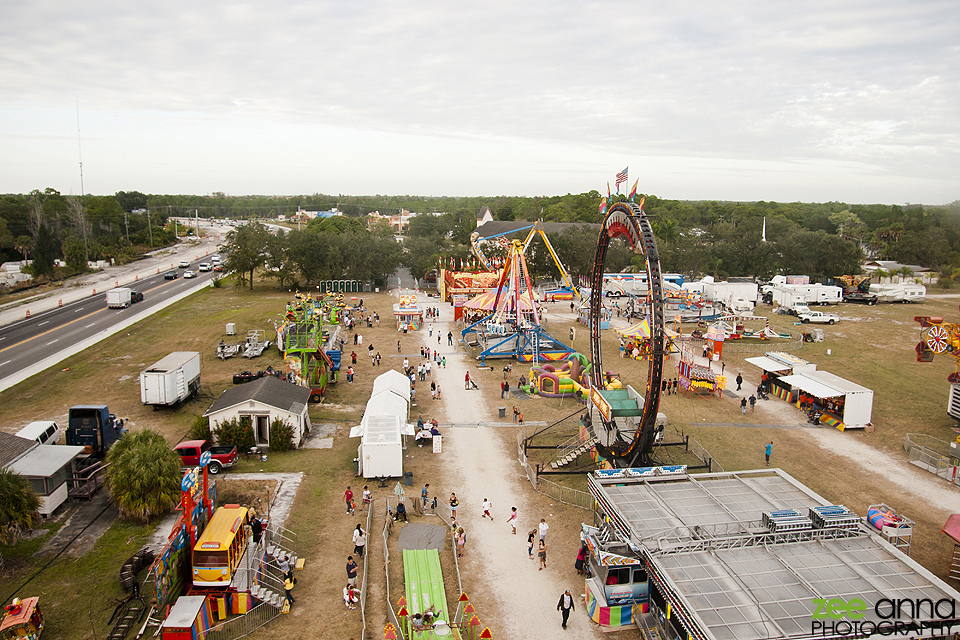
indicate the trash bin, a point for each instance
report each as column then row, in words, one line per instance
column 356, row 466
column 501, row 412
column 408, row 478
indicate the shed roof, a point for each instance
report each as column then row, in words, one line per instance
column 269, row 391
column 392, row 380
column 45, row 460
column 12, row 447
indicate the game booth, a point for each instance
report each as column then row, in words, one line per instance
column 776, row 365
column 409, row 315
column 843, row 404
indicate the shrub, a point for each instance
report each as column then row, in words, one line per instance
column 143, row 476
column 236, row 431
column 281, row 435
column 18, row 506
column 200, row 430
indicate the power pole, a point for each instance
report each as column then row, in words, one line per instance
column 149, row 228
column 126, row 224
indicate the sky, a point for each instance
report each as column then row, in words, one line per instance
column 815, row 101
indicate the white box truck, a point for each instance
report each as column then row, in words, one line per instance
column 119, row 298
column 171, row 380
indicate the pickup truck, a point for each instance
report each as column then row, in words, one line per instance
column 190, row 451
column 819, row 317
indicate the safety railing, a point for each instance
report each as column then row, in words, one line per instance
column 244, row 625
column 933, row 455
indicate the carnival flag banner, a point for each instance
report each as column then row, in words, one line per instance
column 603, row 207
column 633, row 192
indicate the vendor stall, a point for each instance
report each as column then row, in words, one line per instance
column 384, row 421
column 408, row 314
column 843, row 404
column 189, row 619
column 775, row 365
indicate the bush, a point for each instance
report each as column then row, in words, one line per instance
column 281, row 435
column 18, row 506
column 200, row 430
column 143, row 476
column 236, row 431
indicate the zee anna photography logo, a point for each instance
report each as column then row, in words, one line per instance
column 923, row 617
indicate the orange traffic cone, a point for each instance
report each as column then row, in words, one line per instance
column 60, row 303
column 28, row 313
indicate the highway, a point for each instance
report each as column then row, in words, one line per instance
column 30, row 345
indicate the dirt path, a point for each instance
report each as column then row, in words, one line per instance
column 511, row 595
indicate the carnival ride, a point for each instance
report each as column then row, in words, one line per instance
column 22, row 620
column 512, row 327
column 570, row 290
column 629, row 442
column 307, row 347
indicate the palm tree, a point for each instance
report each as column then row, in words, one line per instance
column 143, row 476
column 18, row 506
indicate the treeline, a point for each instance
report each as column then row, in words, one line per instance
column 45, row 226
column 696, row 238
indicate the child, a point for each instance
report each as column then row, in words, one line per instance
column 512, row 520
column 486, row 509
column 542, row 553
column 366, row 497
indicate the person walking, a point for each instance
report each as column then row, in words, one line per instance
column 486, row 509
column 739, row 381
column 351, row 572
column 753, row 402
column 425, row 495
column 288, row 582
column 398, row 346
column 461, row 541
column 743, row 406
column 543, row 527
column 454, row 503
column 503, row 388
column 512, row 520
column 359, row 541
column 348, row 498
column 531, row 537
column 466, row 380
column 516, row 412
column 565, row 606
column 256, row 527
column 366, row 497
column 542, row 554
column 768, row 450
column 449, row 339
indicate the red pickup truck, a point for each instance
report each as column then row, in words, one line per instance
column 223, row 457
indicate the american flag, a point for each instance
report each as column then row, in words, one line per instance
column 621, row 177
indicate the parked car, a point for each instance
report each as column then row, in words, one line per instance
column 204, row 266
column 170, row 275
column 189, row 274
column 184, row 264
column 246, row 376
column 819, row 317
column 224, row 456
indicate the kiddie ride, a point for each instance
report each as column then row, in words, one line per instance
column 936, row 337
column 22, row 620
column 212, row 569
column 511, row 327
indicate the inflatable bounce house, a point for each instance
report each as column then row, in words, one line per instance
column 571, row 377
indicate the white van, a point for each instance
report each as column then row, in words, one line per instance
column 43, row 432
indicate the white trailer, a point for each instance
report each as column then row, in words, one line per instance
column 171, row 380
column 899, row 292
column 726, row 292
column 119, row 298
column 789, row 295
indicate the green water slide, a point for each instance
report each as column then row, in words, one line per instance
column 423, row 579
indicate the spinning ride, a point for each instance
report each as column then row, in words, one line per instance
column 627, row 220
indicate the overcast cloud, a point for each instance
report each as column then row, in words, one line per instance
column 744, row 100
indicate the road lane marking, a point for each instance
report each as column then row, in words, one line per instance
column 7, row 362
column 52, row 341
column 43, row 323
column 90, row 325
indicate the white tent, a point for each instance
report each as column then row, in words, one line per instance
column 380, row 431
column 395, row 381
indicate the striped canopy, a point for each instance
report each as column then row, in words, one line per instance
column 641, row 330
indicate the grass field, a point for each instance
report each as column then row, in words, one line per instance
column 872, row 346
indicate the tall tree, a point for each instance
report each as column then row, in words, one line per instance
column 247, row 250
